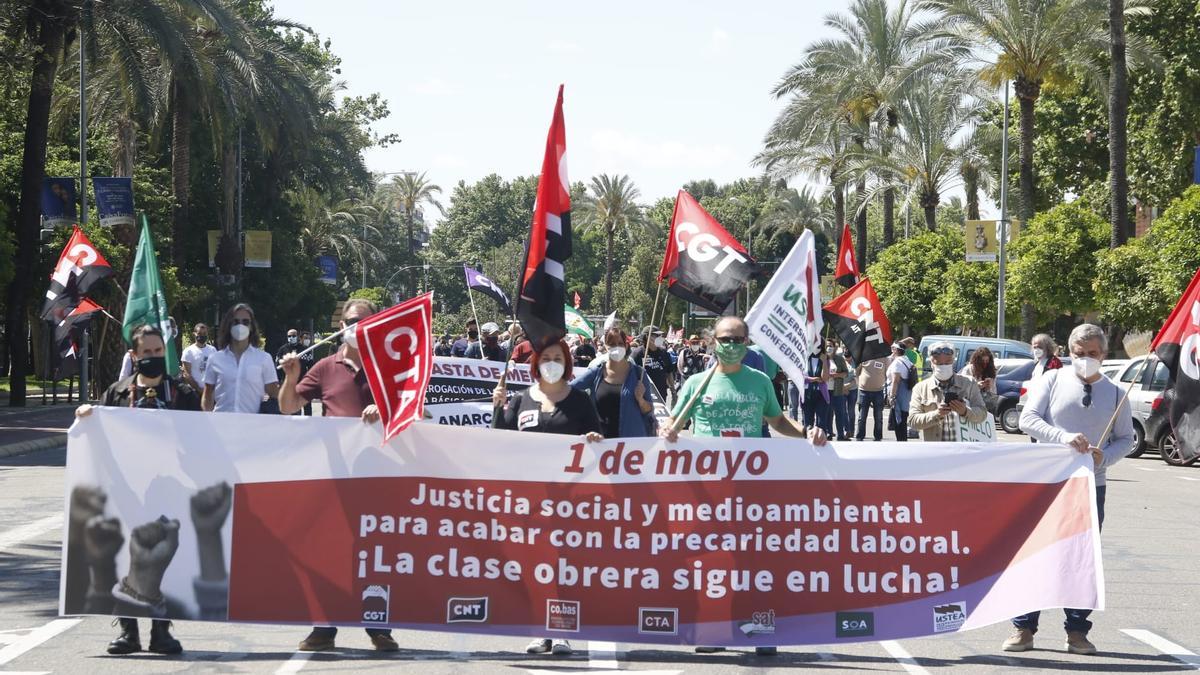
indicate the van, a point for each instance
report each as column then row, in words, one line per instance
column 966, row 345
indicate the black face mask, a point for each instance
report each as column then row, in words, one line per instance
column 201, row 339
column 472, row 335
column 152, row 366
column 491, row 340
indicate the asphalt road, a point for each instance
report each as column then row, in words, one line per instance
column 1151, row 550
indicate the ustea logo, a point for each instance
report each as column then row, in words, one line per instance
column 562, row 615
column 855, row 624
column 375, row 603
column 658, row 620
column 949, row 617
column 760, row 623
column 466, row 610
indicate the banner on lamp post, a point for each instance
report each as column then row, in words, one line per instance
column 58, row 201
column 257, row 248
column 114, row 200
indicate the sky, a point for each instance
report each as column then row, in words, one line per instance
column 664, row 91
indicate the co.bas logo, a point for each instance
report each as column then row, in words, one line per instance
column 466, row 610
column 854, row 624
column 562, row 615
column 375, row 603
column 760, row 623
column 949, row 617
column 658, row 620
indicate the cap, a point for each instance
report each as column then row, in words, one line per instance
column 489, row 327
column 694, row 337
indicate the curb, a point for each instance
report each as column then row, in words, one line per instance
column 27, row 447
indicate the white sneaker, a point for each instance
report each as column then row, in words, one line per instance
column 561, row 648
column 538, row 646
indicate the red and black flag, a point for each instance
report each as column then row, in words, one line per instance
column 542, row 292
column 846, row 272
column 79, row 268
column 1178, row 346
column 859, row 321
column 705, row 264
column 68, row 332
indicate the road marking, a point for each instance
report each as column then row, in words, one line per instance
column 36, row 637
column 602, row 655
column 903, row 657
column 294, row 664
column 1186, row 478
column 19, row 535
column 1165, row 646
column 1144, row 468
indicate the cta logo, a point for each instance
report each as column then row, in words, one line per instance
column 466, row 610
column 375, row 603
column 949, row 617
column 562, row 615
column 855, row 624
column 658, row 620
column 760, row 623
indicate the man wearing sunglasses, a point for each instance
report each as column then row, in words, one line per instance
column 1073, row 407
column 939, row 400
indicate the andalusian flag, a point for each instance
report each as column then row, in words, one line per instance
column 147, row 303
column 577, row 324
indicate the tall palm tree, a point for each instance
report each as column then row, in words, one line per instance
column 409, row 191
column 342, row 229
column 1119, row 45
column 975, row 166
column 787, row 213
column 611, row 205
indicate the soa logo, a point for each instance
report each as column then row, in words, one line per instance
column 855, row 624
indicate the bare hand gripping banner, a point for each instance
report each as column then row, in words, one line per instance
column 738, row 541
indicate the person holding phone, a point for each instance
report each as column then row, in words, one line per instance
column 942, row 398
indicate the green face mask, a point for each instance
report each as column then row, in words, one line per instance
column 730, row 354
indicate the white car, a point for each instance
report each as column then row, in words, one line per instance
column 1147, row 381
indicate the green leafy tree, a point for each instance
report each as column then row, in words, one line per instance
column 968, row 299
column 1055, row 261
column 909, row 277
column 612, row 207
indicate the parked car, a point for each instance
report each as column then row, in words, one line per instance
column 1159, row 434
column 1147, row 384
column 1111, row 368
column 966, row 345
column 1011, row 375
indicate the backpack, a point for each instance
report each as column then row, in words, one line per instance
column 911, row 380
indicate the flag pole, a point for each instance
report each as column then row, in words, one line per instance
column 687, row 409
column 473, row 314
column 327, row 338
column 1112, row 421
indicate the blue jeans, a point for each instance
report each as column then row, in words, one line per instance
column 868, row 400
column 1077, row 619
column 839, row 414
column 816, row 410
column 793, row 401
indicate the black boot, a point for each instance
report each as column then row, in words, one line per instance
column 128, row 641
column 161, row 641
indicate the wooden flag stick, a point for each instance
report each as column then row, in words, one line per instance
column 687, row 409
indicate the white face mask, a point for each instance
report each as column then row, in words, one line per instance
column 944, row 372
column 659, row 342
column 292, row 339
column 350, row 338
column 239, row 332
column 551, row 372
column 1085, row 367
column 1038, row 354
column 616, row 353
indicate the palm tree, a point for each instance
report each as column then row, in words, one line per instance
column 975, row 166
column 341, row 229
column 1118, row 112
column 787, row 213
column 612, row 206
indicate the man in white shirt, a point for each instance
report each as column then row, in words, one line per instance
column 195, row 357
column 238, row 375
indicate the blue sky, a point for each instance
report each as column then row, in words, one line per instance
column 663, row 91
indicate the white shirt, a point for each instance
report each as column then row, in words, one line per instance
column 126, row 365
column 239, row 384
column 197, row 359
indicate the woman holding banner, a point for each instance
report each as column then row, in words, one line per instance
column 549, row 406
column 620, row 391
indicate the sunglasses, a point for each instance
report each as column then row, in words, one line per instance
column 242, row 322
column 942, row 351
column 1087, row 395
column 732, row 339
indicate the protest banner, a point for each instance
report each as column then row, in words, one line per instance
column 786, row 320
column 114, row 200
column 984, row 432
column 719, row 541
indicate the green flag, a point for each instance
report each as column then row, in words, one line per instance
column 577, row 324
column 146, row 303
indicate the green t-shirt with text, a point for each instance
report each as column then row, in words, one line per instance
column 731, row 405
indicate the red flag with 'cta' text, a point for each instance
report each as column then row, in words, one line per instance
column 397, row 357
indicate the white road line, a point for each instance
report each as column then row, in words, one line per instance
column 1186, row 478
column 903, row 657
column 1164, row 645
column 294, row 664
column 1144, row 468
column 602, row 655
column 20, row 535
column 36, row 637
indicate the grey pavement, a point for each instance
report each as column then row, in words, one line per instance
column 1150, row 553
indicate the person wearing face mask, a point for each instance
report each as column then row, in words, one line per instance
column 839, row 373
column 938, row 400
column 620, row 390
column 195, row 357
column 488, row 348
column 657, row 362
column 692, row 359
column 296, row 345
column 549, row 406
column 240, row 372
column 982, row 368
column 900, row 373
column 1073, row 407
column 1045, row 353
column 341, row 385
column 149, row 387
column 460, row 346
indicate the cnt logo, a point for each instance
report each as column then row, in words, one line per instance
column 562, row 615
column 658, row 620
column 375, row 603
column 854, row 624
column 760, row 623
column 466, row 610
column 948, row 617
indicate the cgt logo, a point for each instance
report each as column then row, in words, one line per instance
column 375, row 603
column 855, row 624
column 658, row 620
column 466, row 610
column 949, row 617
column 562, row 615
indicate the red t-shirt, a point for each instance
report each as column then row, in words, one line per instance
column 343, row 391
column 522, row 352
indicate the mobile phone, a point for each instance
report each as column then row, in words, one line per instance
column 950, row 397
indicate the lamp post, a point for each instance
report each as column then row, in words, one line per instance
column 1003, row 217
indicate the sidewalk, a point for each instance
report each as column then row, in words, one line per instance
column 33, row 428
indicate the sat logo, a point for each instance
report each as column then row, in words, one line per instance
column 375, row 603
column 467, row 610
column 658, row 620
